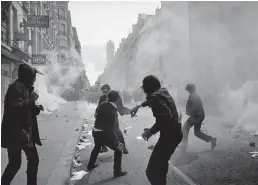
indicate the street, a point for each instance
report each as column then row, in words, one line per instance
column 228, row 163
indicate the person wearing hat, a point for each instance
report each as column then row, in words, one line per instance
column 20, row 126
column 194, row 109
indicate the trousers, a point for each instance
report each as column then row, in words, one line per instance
column 99, row 140
column 14, row 164
column 157, row 168
column 197, row 123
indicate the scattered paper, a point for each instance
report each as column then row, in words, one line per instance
column 102, row 154
column 139, row 137
column 76, row 164
column 78, row 175
column 83, row 140
column 81, row 147
column 255, row 156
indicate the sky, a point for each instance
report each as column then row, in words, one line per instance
column 98, row 22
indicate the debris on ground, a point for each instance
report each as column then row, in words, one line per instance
column 125, row 131
column 252, row 144
column 76, row 163
column 78, row 175
column 139, row 137
column 151, row 147
column 77, row 129
column 255, row 156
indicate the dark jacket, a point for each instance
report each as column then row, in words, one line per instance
column 19, row 112
column 164, row 110
column 120, row 107
column 194, row 106
column 106, row 120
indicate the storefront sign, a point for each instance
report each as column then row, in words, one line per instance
column 38, row 59
column 39, row 21
column 21, row 37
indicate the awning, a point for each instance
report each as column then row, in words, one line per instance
column 10, row 55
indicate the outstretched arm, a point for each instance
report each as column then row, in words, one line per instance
column 135, row 109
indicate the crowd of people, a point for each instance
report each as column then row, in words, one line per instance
column 106, row 130
column 20, row 132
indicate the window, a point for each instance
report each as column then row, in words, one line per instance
column 33, row 7
column 5, row 25
column 15, row 24
column 38, row 8
column 62, row 13
column 62, row 29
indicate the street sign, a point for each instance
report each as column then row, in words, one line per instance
column 39, row 21
column 38, row 59
column 21, row 36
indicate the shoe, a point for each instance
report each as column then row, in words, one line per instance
column 120, row 174
column 213, row 142
column 90, row 168
column 125, row 151
column 103, row 149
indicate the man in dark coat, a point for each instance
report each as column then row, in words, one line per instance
column 20, row 127
column 105, row 133
column 194, row 109
column 122, row 111
column 167, row 123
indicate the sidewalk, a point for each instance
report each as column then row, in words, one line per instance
column 59, row 136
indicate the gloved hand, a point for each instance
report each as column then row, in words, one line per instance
column 146, row 134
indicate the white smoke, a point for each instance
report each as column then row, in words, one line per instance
column 240, row 107
column 59, row 77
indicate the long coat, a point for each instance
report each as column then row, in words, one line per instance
column 19, row 115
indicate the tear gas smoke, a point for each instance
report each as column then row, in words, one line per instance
column 211, row 44
column 59, row 78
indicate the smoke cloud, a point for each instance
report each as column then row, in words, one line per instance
column 59, row 78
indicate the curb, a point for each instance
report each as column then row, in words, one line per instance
column 61, row 174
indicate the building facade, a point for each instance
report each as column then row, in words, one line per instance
column 21, row 43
